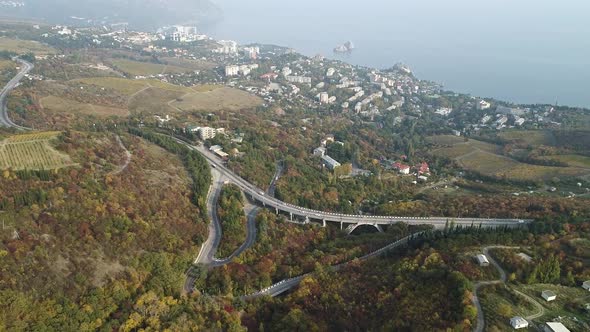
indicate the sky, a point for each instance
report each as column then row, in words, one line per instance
column 520, row 50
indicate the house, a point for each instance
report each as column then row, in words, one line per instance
column 555, row 327
column 482, row 260
column 321, row 151
column 423, row 168
column 402, row 169
column 215, row 148
column 548, row 295
column 329, row 162
column 586, row 285
column 518, row 322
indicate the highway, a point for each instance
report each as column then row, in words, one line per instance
column 26, row 67
column 268, row 201
column 286, row 284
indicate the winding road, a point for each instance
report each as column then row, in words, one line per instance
column 480, row 315
column 268, row 201
column 26, row 67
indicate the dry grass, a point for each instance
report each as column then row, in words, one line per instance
column 24, row 46
column 486, row 159
column 129, row 87
column 57, row 104
column 529, row 137
column 32, row 151
column 140, row 68
column 574, row 160
column 502, row 167
column 189, row 64
column 218, row 99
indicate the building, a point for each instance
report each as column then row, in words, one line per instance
column 586, row 285
column 330, row 72
column 483, row 105
column 444, row 111
column 555, row 327
column 321, row 151
column 206, row 133
column 232, row 70
column 423, row 168
column 252, row 52
column 323, row 97
column 227, row 47
column 548, row 295
column 401, row 168
column 329, row 162
column 482, row 260
column 510, row 111
column 298, row 79
column 518, row 322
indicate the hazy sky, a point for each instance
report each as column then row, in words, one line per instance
column 472, row 45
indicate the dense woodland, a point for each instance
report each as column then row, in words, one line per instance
column 230, row 210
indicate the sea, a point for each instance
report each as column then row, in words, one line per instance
column 522, row 51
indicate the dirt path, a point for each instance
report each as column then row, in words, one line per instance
column 127, row 157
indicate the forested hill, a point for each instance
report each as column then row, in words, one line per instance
column 144, row 14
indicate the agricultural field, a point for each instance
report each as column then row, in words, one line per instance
column 573, row 160
column 32, row 151
column 529, row 137
column 188, row 63
column 24, row 46
column 568, row 304
column 140, row 68
column 485, row 158
column 6, row 64
column 216, row 100
column 154, row 101
column 499, row 304
column 129, row 87
column 57, row 104
column 505, row 168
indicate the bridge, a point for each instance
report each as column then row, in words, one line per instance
column 305, row 215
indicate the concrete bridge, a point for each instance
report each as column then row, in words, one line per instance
column 308, row 215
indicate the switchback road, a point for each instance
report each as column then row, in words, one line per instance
column 26, row 67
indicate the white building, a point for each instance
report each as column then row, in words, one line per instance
column 298, row 79
column 586, row 285
column 483, row 105
column 252, row 52
column 482, row 260
column 519, row 121
column 330, row 72
column 227, row 47
column 323, row 97
column 444, row 111
column 555, row 327
column 232, row 70
column 206, row 133
column 329, row 162
column 548, row 295
column 332, row 100
column 518, row 322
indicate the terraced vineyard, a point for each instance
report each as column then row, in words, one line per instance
column 32, row 151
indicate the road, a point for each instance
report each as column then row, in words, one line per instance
column 480, row 315
column 128, row 155
column 260, row 196
column 273, row 184
column 286, row 284
column 26, row 67
column 207, row 254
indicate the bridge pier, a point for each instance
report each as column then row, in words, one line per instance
column 291, row 216
column 306, row 220
column 323, row 222
column 341, row 224
column 276, row 210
